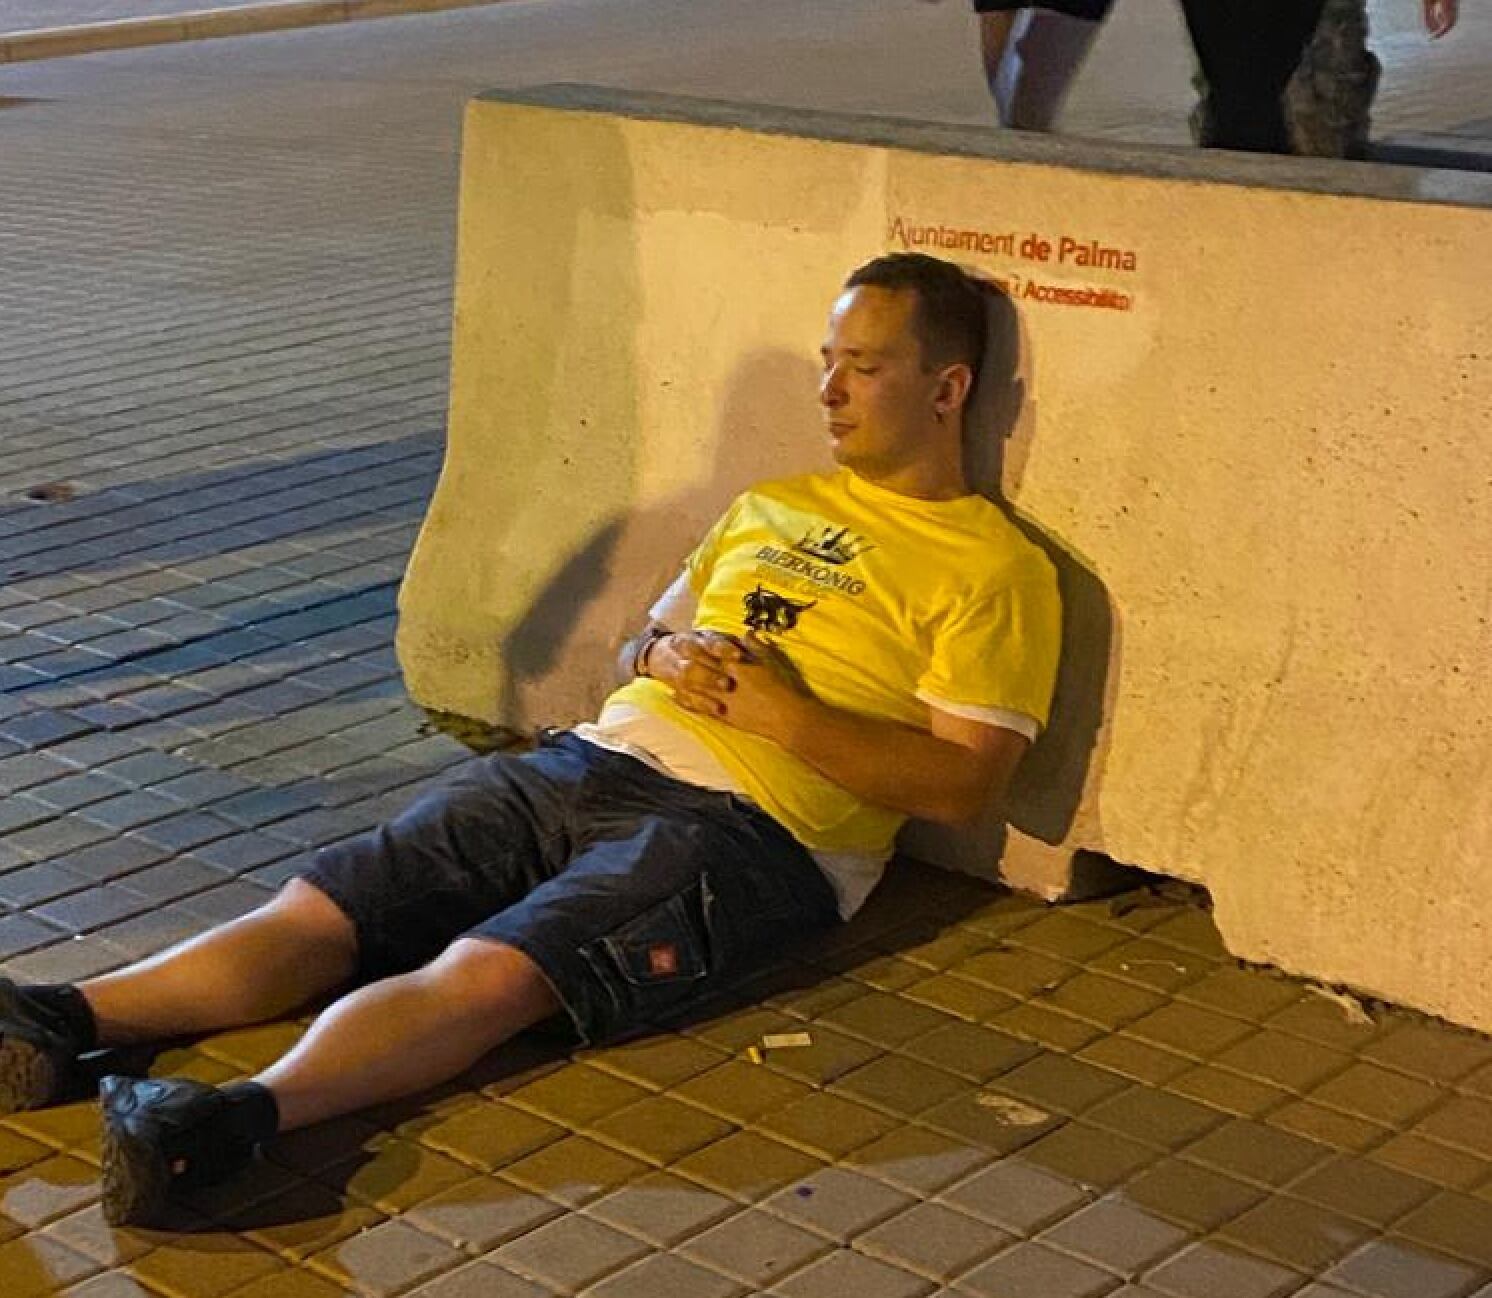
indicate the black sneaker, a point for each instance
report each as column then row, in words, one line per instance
column 39, row 1046
column 170, row 1135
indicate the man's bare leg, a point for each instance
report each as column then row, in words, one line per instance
column 165, row 1137
column 995, row 30
column 1050, row 49
column 1031, row 57
column 273, row 960
column 408, row 1033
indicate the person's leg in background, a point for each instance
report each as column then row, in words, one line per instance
column 1032, row 55
column 1329, row 99
column 1248, row 50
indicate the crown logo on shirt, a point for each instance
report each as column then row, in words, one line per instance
column 833, row 545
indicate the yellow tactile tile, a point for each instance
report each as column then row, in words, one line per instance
column 738, row 1091
column 204, row 1266
column 88, row 1232
column 72, row 1127
column 482, row 1212
column 748, row 1165
column 574, row 1170
column 297, row 1283
column 34, row 1265
column 18, row 1151
column 49, row 1189
column 393, row 1174
column 577, row 1095
column 490, row 1135
column 659, row 1061
column 659, row 1129
column 386, row 1259
column 304, row 1221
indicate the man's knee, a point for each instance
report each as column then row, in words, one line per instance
column 493, row 977
column 312, row 912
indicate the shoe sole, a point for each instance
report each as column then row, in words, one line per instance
column 136, row 1180
column 28, row 1078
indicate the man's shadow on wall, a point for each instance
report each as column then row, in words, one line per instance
column 560, row 658
column 1053, row 796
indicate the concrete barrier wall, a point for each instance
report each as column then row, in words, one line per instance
column 1252, row 426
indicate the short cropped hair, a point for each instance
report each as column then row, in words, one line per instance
column 951, row 320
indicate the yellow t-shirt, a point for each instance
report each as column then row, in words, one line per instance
column 885, row 605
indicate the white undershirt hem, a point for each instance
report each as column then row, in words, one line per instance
column 656, row 742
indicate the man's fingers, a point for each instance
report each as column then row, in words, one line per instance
column 705, row 679
column 697, row 647
column 724, row 647
column 693, row 701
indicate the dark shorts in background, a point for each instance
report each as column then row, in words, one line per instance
column 633, row 892
column 1093, row 10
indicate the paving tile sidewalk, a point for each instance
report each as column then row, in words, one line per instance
column 222, row 386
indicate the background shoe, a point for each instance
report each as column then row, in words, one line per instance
column 39, row 1045
column 162, row 1137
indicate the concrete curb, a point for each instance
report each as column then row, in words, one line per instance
column 206, row 24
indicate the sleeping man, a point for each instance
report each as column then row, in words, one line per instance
column 842, row 651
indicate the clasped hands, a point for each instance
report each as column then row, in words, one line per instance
column 744, row 681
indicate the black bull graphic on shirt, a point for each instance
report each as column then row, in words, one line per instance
column 769, row 612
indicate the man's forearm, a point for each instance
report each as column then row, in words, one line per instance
column 629, row 657
column 886, row 763
column 626, row 659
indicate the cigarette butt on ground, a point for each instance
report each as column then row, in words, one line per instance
column 785, row 1040
column 777, row 1041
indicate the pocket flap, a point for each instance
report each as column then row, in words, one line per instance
column 661, row 945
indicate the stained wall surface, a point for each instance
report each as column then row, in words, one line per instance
column 1251, row 428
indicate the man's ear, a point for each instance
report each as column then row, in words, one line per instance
column 955, row 382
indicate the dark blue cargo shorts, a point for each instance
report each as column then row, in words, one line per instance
column 634, row 893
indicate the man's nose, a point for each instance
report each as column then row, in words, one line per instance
column 831, row 390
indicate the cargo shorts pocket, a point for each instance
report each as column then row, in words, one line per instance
column 655, row 960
